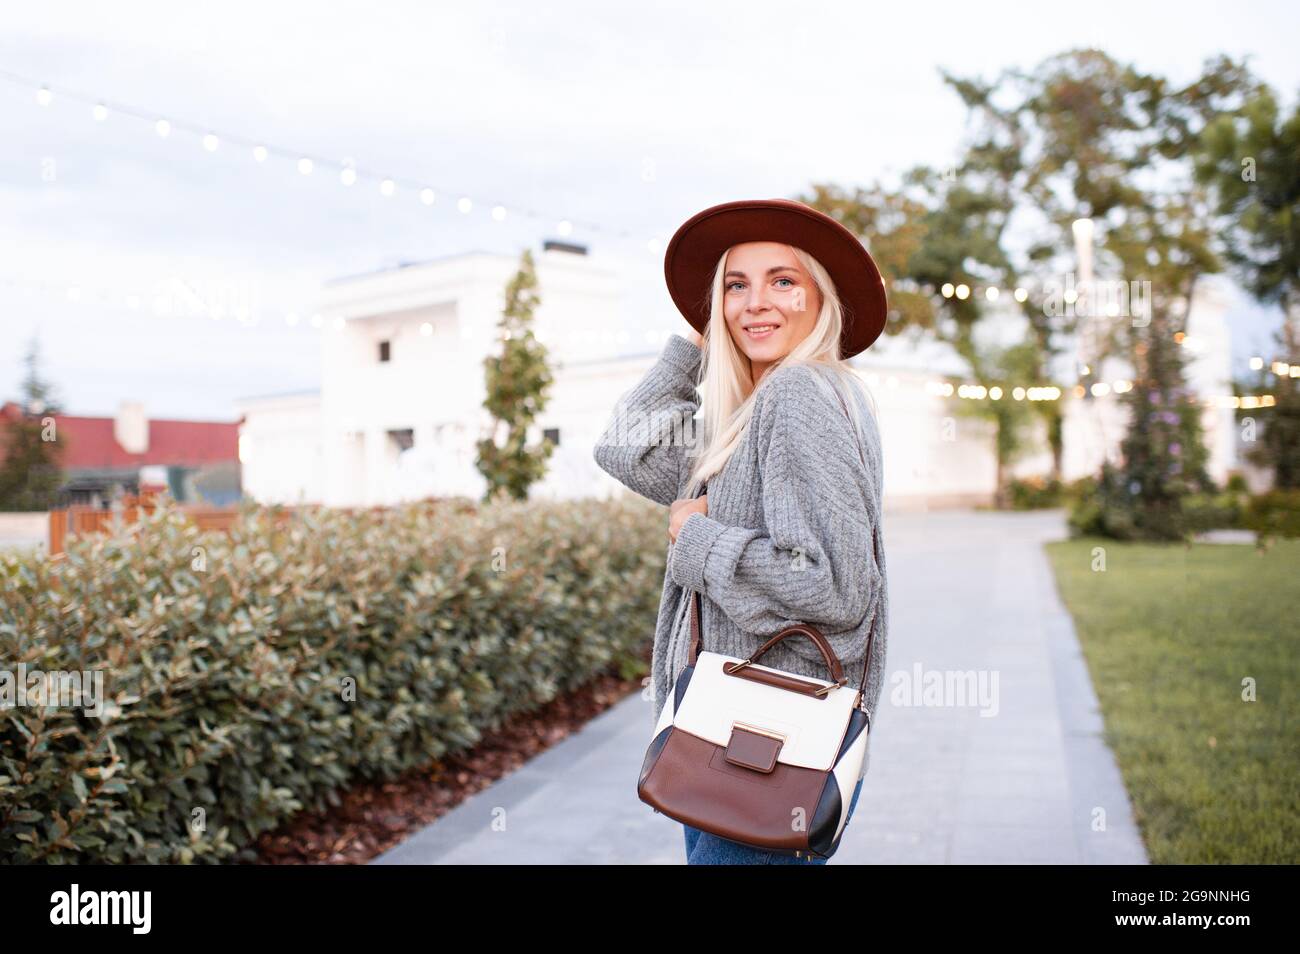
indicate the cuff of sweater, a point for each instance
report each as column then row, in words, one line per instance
column 682, row 354
column 691, row 549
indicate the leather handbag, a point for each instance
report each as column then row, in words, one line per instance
column 757, row 755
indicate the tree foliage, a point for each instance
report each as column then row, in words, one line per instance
column 30, row 453
column 518, row 382
column 1083, row 136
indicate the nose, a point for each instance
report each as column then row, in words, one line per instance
column 757, row 300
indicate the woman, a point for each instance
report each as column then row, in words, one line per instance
column 779, row 296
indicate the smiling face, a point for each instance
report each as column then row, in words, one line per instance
column 770, row 302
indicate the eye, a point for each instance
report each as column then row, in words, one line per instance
column 783, row 279
column 731, row 285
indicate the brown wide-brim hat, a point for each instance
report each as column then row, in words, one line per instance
column 694, row 251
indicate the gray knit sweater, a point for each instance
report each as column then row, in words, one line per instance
column 788, row 536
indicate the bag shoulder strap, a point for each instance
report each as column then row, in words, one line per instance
column 696, row 639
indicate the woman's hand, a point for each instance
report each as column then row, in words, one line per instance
column 679, row 510
column 695, row 338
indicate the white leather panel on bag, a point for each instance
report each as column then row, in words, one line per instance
column 846, row 777
column 813, row 728
column 666, row 713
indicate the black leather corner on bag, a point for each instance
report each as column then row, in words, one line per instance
column 753, row 750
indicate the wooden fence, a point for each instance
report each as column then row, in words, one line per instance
column 80, row 519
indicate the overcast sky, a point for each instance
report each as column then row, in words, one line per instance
column 627, row 118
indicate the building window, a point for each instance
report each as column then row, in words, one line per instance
column 404, row 438
column 552, row 434
column 383, row 351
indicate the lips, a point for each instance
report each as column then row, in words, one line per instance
column 760, row 330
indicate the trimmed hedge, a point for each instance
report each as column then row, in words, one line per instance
column 1035, row 492
column 1274, row 514
column 1220, row 511
column 227, row 660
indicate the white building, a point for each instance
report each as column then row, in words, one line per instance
column 402, row 386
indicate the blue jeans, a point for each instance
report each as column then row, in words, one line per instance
column 703, row 848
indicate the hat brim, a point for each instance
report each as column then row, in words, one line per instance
column 695, row 248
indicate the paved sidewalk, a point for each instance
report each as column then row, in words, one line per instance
column 969, row 591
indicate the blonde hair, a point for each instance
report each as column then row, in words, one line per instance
column 727, row 393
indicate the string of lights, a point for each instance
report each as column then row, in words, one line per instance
column 388, row 184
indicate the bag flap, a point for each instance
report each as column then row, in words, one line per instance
column 753, row 750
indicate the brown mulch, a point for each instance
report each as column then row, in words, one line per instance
column 375, row 816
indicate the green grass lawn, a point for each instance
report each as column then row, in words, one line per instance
column 1172, row 636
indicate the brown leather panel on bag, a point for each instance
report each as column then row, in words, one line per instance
column 753, row 750
column 769, row 809
column 780, row 680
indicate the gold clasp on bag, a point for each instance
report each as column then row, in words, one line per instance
column 754, row 728
column 833, row 685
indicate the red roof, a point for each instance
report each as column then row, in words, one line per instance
column 88, row 442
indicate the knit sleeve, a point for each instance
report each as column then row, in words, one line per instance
column 814, row 561
column 644, row 444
